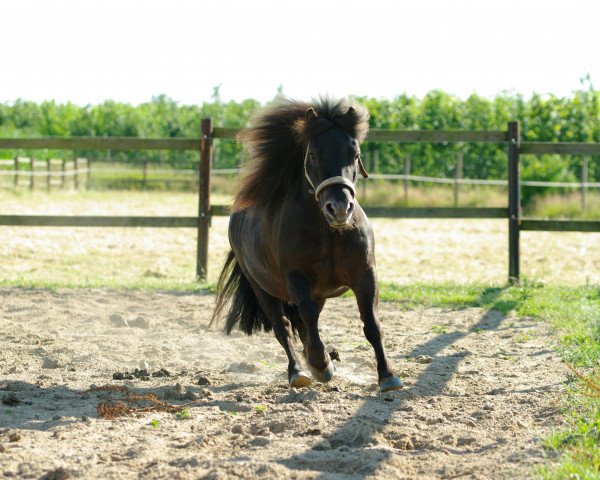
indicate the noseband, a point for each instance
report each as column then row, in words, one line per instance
column 328, row 182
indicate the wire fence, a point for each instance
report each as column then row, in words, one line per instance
column 69, row 170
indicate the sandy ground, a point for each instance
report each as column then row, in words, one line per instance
column 481, row 390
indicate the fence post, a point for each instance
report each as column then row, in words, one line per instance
column 76, row 173
column 407, row 174
column 32, row 179
column 204, row 198
column 88, row 178
column 63, row 179
column 584, row 181
column 145, row 177
column 458, row 175
column 376, row 159
column 16, row 171
column 514, row 201
column 48, row 177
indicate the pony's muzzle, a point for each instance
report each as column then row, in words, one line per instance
column 338, row 213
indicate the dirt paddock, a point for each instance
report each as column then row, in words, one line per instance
column 481, row 389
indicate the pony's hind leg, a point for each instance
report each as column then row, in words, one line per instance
column 282, row 327
column 283, row 332
column 319, row 361
column 309, row 310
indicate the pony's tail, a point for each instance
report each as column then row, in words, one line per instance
column 291, row 312
column 234, row 288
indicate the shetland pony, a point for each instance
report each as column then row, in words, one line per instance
column 298, row 234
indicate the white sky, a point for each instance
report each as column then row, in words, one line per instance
column 87, row 51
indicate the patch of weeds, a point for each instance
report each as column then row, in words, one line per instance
column 184, row 414
column 8, row 411
column 260, row 408
column 577, row 445
column 439, row 329
column 477, row 329
column 233, row 414
column 267, row 364
column 360, row 344
column 154, row 423
column 523, row 337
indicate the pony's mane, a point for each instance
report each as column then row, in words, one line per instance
column 276, row 142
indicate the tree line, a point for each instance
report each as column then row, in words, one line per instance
column 543, row 117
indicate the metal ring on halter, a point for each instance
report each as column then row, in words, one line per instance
column 328, row 181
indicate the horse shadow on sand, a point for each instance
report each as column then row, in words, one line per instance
column 353, row 439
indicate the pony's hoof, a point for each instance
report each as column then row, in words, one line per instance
column 323, row 375
column 391, row 383
column 300, row 380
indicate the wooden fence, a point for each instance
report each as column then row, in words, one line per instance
column 511, row 137
column 53, row 172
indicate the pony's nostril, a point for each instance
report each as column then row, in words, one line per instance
column 329, row 208
column 350, row 207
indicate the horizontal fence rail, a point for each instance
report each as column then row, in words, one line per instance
column 568, row 148
column 436, row 212
column 96, row 221
column 100, row 143
column 32, row 173
column 203, row 145
column 560, row 225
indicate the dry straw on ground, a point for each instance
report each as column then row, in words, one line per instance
column 408, row 251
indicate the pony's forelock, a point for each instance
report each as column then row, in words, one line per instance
column 348, row 115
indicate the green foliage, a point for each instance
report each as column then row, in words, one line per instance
column 547, row 168
column 184, row 414
column 543, row 118
column 439, row 329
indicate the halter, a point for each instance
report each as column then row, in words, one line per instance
column 328, row 182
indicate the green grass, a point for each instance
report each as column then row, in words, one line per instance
column 184, row 414
column 565, row 206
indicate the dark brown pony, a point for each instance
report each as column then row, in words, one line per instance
column 298, row 236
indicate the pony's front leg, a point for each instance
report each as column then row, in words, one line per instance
column 309, row 310
column 366, row 292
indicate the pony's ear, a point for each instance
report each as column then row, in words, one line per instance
column 310, row 115
column 352, row 113
column 356, row 122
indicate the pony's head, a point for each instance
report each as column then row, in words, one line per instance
column 293, row 145
column 332, row 160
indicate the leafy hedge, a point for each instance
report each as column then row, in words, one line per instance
column 543, row 118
